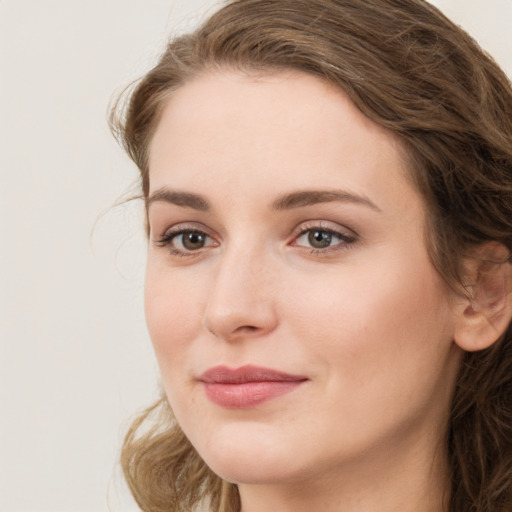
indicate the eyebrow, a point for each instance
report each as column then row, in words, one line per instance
column 312, row 197
column 185, row 199
column 290, row 201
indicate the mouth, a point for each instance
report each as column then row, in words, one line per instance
column 247, row 386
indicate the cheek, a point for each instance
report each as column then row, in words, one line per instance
column 172, row 315
column 374, row 318
column 382, row 350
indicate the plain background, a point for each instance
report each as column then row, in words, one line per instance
column 75, row 359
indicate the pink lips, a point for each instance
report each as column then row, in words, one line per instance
column 247, row 386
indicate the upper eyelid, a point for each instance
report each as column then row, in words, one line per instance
column 323, row 224
column 323, row 228
column 182, row 226
column 344, row 237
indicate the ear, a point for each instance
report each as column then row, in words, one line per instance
column 485, row 313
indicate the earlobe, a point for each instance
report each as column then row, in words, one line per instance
column 487, row 310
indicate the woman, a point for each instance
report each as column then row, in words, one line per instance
column 328, row 187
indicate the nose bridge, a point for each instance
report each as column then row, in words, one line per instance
column 240, row 301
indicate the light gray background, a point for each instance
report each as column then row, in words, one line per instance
column 75, row 359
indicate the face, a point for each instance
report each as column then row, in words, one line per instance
column 299, row 325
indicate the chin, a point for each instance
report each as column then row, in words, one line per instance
column 246, row 457
column 251, row 470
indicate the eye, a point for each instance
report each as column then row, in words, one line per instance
column 322, row 239
column 183, row 241
column 319, row 239
column 190, row 240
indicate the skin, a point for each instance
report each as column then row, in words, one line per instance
column 366, row 319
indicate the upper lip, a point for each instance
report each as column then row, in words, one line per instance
column 245, row 374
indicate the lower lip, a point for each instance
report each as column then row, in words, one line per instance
column 247, row 394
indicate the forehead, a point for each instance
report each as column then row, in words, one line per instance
column 226, row 128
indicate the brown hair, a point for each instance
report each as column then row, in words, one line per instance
column 412, row 71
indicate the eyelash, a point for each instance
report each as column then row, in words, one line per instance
column 166, row 240
column 346, row 240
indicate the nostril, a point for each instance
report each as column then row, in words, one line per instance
column 247, row 328
column 243, row 329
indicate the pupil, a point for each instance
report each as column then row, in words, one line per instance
column 193, row 241
column 320, row 239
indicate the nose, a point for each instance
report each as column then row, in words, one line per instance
column 241, row 301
